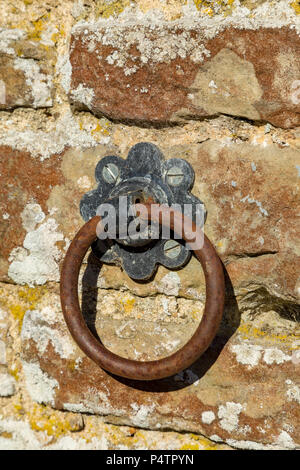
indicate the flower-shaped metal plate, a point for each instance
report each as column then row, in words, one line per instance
column 144, row 175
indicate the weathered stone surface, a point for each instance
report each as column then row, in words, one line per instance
column 254, row 227
column 25, row 79
column 7, row 385
column 255, row 369
column 211, row 7
column 42, row 428
column 25, row 424
column 150, row 62
column 162, row 74
column 25, row 182
column 24, row 83
column 251, row 194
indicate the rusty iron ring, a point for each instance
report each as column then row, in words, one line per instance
column 128, row 368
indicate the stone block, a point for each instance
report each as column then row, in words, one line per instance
column 169, row 73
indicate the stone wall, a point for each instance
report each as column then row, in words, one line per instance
column 218, row 84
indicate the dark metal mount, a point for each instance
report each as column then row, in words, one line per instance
column 145, row 176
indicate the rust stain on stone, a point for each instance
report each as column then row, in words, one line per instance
column 248, row 199
column 153, row 93
column 24, row 179
column 87, row 388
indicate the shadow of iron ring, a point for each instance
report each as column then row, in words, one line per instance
column 231, row 321
column 179, row 360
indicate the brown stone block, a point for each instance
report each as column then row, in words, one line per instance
column 26, row 72
column 25, row 180
column 251, row 193
column 163, row 74
column 243, row 391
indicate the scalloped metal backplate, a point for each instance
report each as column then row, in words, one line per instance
column 145, row 174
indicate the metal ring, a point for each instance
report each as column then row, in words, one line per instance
column 128, row 368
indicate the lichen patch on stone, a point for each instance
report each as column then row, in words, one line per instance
column 40, row 386
column 141, row 414
column 268, row 15
column 36, row 262
column 8, row 36
column 293, row 392
column 208, row 417
column 170, row 284
column 275, row 356
column 248, row 354
column 35, row 328
column 39, row 83
column 83, row 95
column 229, row 415
column 67, row 131
column 7, row 385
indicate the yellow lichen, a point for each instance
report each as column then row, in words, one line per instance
column 212, row 7
column 38, row 27
column 18, row 405
column 113, row 8
column 60, row 33
column 87, row 434
column 196, row 314
column 90, row 432
column 19, row 408
column 190, row 447
column 127, row 437
column 28, row 297
column 248, row 331
column 127, row 304
column 133, row 438
column 14, row 372
column 73, row 364
column 54, row 423
column 31, row 295
column 296, row 6
column 116, row 435
column 19, row 51
column 201, row 444
column 139, row 436
column 100, row 129
column 18, row 313
column 6, row 435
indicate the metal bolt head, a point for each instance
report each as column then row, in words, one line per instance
column 174, row 176
column 110, row 173
column 172, row 249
